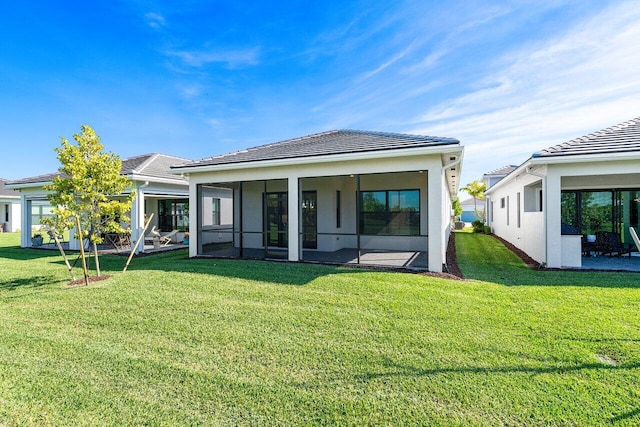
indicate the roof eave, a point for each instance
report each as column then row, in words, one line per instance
column 27, row 185
column 159, row 180
column 584, row 158
column 367, row 155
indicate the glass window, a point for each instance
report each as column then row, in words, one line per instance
column 393, row 212
column 215, row 211
column 39, row 211
column 173, row 215
column 596, row 208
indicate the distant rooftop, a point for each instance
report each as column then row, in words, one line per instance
column 503, row 171
column 621, row 138
column 5, row 192
column 325, row 143
column 153, row 165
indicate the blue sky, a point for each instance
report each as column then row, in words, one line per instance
column 197, row 78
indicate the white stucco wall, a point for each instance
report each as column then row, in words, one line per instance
column 529, row 236
column 10, row 206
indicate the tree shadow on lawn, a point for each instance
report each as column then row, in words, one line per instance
column 30, row 282
column 625, row 416
column 17, row 253
column 406, row 370
column 278, row 272
column 412, row 371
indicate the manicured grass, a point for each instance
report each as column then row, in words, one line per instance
column 189, row 342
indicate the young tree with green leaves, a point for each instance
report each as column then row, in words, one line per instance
column 91, row 188
column 476, row 190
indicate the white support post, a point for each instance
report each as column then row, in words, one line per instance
column 137, row 217
column 552, row 203
column 435, row 224
column 293, row 218
column 25, row 235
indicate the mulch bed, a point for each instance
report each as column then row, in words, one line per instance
column 531, row 263
column 92, row 279
column 452, row 259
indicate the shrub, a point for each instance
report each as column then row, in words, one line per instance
column 478, row 226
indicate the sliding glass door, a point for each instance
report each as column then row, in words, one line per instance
column 592, row 211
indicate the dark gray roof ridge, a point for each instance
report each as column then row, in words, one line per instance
column 620, row 138
column 324, row 143
column 130, row 165
column 504, row 170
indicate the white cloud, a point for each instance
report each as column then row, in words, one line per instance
column 389, row 62
column 582, row 81
column 233, row 58
column 155, row 20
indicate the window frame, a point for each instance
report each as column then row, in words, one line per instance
column 387, row 216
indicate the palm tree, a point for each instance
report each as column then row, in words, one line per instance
column 476, row 190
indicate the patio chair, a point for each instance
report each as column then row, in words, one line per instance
column 634, row 236
column 52, row 237
column 168, row 238
column 609, row 243
column 153, row 234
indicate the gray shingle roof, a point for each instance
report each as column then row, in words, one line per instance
column 6, row 192
column 325, row 143
column 152, row 165
column 621, row 138
column 504, row 170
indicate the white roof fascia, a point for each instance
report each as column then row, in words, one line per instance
column 515, row 173
column 584, row 158
column 567, row 159
column 343, row 157
column 27, row 185
column 155, row 179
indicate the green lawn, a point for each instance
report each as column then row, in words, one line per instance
column 214, row 342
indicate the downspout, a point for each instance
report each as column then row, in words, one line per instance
column 529, row 171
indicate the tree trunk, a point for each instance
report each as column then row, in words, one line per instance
column 82, row 254
column 95, row 255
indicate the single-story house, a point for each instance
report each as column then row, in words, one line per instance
column 342, row 196
column 469, row 207
column 9, row 208
column 157, row 191
column 491, row 178
column 561, row 196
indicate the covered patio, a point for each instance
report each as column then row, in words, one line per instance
column 384, row 207
column 624, row 263
column 343, row 219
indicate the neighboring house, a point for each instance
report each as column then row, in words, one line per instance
column 469, row 207
column 157, row 191
column 341, row 196
column 9, row 208
column 493, row 177
column 583, row 186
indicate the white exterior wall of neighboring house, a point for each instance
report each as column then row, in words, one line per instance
column 540, row 182
column 10, row 217
column 320, row 174
column 503, row 214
